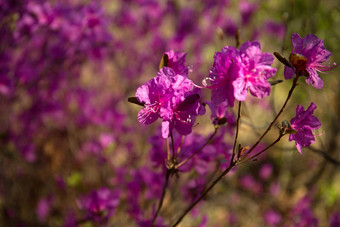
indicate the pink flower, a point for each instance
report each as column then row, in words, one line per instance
column 172, row 97
column 224, row 71
column 304, row 122
column 254, row 72
column 176, row 61
column 307, row 58
column 234, row 72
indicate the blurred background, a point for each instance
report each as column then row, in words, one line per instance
column 72, row 152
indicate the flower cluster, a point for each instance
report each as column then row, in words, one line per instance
column 235, row 72
column 172, row 97
column 65, row 70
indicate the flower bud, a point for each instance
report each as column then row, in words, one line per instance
column 164, row 61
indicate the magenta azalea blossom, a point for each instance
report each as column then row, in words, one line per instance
column 303, row 123
column 236, row 71
column 172, row 97
column 308, row 57
column 224, row 71
column 254, row 72
column 176, row 61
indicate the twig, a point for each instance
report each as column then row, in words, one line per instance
column 203, row 194
column 269, row 146
column 200, row 149
column 231, row 165
column 173, row 148
column 160, row 204
column 277, row 116
column 236, row 133
column 326, row 156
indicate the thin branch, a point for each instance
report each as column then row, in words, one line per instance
column 160, row 204
column 277, row 116
column 203, row 194
column 180, row 145
column 173, row 147
column 326, row 156
column 167, row 149
column 237, row 130
column 231, row 165
column 269, row 146
column 200, row 149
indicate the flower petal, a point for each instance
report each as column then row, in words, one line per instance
column 147, row 116
column 260, row 89
column 314, row 78
column 240, row 89
column 288, row 73
column 165, row 129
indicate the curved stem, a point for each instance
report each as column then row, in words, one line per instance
column 180, row 145
column 326, row 156
column 231, row 165
column 167, row 149
column 269, row 146
column 237, row 130
column 277, row 116
column 171, row 160
column 173, row 148
column 203, row 194
column 200, row 149
column 160, row 204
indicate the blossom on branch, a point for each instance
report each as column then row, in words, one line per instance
column 303, row 123
column 234, row 72
column 221, row 76
column 176, row 61
column 307, row 58
column 254, row 72
column 172, row 97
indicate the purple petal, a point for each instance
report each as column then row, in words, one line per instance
column 167, row 72
column 220, row 94
column 314, row 122
column 240, row 89
column 266, row 59
column 251, row 49
column 176, row 62
column 297, row 41
column 147, row 116
column 188, row 102
column 311, row 45
column 298, row 147
column 165, row 129
column 288, row 73
column 260, row 89
column 304, row 137
column 142, row 93
column 182, row 124
column 266, row 71
column 314, row 78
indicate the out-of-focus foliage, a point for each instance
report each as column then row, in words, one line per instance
column 72, row 152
